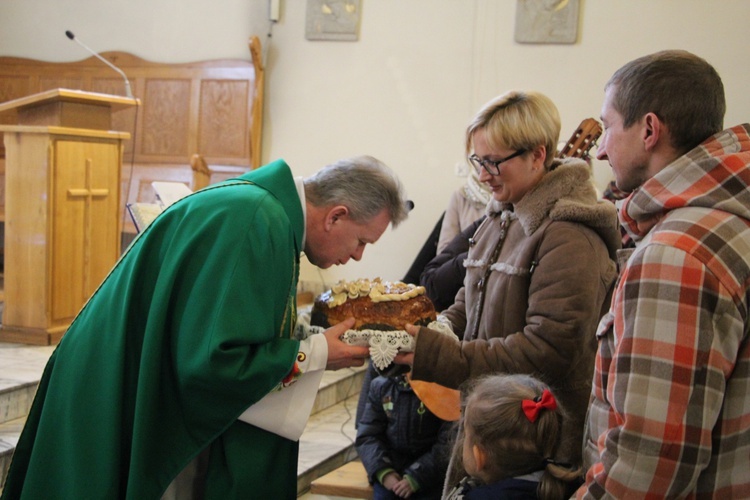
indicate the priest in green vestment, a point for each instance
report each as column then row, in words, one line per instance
column 193, row 327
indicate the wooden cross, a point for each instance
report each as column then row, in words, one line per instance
column 89, row 194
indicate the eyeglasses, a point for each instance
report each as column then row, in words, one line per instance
column 492, row 167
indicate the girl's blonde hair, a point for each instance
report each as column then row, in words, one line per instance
column 513, row 444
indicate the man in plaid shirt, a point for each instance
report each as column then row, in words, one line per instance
column 670, row 407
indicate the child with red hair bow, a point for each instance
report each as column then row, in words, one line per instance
column 510, row 434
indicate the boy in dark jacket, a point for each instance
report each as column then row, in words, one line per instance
column 403, row 446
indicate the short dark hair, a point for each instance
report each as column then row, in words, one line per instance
column 682, row 89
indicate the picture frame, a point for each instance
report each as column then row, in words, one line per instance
column 547, row 21
column 333, row 20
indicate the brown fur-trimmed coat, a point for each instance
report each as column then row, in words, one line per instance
column 545, row 293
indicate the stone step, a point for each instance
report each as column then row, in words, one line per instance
column 9, row 432
column 21, row 368
column 326, row 443
column 338, row 386
column 23, row 365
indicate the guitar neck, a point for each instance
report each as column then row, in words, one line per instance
column 583, row 139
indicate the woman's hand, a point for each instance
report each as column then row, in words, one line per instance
column 407, row 358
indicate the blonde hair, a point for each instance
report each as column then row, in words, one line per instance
column 513, row 444
column 518, row 120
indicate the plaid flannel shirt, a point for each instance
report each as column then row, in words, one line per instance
column 670, row 407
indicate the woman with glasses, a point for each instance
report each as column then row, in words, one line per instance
column 539, row 272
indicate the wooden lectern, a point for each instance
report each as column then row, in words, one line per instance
column 62, row 208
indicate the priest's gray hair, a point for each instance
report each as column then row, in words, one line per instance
column 363, row 184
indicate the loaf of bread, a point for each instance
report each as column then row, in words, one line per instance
column 374, row 304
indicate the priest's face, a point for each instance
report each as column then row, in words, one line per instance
column 340, row 238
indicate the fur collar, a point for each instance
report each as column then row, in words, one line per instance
column 565, row 193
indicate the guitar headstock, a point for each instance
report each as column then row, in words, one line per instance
column 583, row 139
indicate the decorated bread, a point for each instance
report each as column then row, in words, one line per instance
column 374, row 304
column 381, row 310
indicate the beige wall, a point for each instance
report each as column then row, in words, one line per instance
column 405, row 91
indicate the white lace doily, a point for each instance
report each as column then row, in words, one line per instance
column 384, row 345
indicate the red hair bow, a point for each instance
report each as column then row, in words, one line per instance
column 531, row 408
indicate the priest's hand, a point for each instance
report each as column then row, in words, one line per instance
column 341, row 354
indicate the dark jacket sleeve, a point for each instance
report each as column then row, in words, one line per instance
column 371, row 442
column 425, row 255
column 430, row 468
column 444, row 275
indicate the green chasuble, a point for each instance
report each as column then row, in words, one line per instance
column 192, row 326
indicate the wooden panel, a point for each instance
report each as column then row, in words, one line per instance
column 142, row 183
column 231, row 85
column 124, row 120
column 136, row 184
column 62, row 233
column 166, row 110
column 2, row 189
column 349, row 481
column 213, row 108
column 67, row 114
column 55, row 82
column 26, row 288
column 224, row 119
column 12, row 86
column 84, row 240
column 203, row 175
column 107, row 85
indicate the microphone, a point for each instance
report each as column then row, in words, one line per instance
column 128, row 92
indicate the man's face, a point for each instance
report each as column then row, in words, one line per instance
column 622, row 148
column 342, row 239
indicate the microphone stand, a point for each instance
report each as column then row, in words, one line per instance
column 128, row 92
